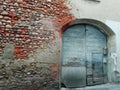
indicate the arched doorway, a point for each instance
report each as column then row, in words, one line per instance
column 83, row 53
column 107, row 59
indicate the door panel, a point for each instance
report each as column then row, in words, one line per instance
column 95, row 42
column 74, row 76
column 82, row 56
column 73, row 63
column 97, row 65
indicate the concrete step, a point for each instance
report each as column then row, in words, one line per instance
column 97, row 87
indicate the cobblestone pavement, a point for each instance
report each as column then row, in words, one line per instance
column 98, row 87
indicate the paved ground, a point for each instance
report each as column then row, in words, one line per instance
column 98, row 87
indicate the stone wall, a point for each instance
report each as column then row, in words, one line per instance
column 30, row 37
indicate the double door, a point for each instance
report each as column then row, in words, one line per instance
column 82, row 56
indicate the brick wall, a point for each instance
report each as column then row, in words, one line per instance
column 30, row 43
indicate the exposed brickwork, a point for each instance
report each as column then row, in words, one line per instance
column 21, row 23
column 31, row 28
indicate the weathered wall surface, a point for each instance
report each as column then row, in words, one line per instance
column 30, row 43
column 101, row 10
column 30, row 38
column 116, row 27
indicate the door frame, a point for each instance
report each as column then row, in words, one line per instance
column 111, row 48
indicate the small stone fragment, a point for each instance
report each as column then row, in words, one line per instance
column 1, row 16
column 0, row 23
column 8, row 26
column 4, row 13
